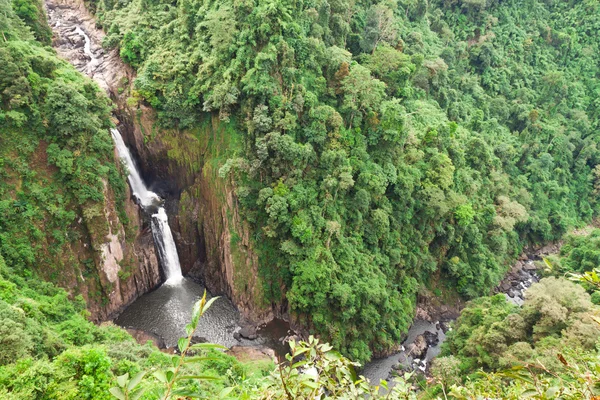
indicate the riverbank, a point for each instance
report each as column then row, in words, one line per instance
column 433, row 320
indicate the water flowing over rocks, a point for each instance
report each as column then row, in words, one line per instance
column 433, row 320
column 69, row 20
column 520, row 277
column 203, row 208
column 77, row 40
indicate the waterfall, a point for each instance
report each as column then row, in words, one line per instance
column 161, row 232
column 166, row 246
column 146, row 197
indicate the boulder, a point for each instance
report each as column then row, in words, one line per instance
column 418, row 348
column 77, row 41
column 519, row 265
column 431, row 338
column 530, row 266
column 445, row 326
column 248, row 332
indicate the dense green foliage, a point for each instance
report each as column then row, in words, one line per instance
column 57, row 169
column 48, row 348
column 493, row 334
column 578, row 253
column 383, row 141
column 578, row 259
column 546, row 349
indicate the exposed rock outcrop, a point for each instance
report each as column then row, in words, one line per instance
column 418, row 348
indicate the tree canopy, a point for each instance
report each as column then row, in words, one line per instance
column 384, row 142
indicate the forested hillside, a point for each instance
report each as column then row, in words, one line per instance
column 387, row 144
column 56, row 160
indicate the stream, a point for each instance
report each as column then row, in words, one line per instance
column 424, row 338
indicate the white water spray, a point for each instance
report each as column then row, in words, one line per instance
column 87, row 49
column 166, row 247
column 167, row 252
column 145, row 196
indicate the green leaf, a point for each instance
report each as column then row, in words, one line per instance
column 182, row 343
column 529, row 393
column 225, row 392
column 136, row 395
column 122, row 380
column 299, row 364
column 136, row 380
column 311, row 384
column 208, row 304
column 117, row 392
column 175, row 360
column 160, row 375
column 170, row 375
column 300, row 351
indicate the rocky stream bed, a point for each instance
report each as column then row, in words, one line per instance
column 428, row 331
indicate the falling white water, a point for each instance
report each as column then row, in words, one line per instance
column 166, row 247
column 145, row 196
column 87, row 48
column 163, row 238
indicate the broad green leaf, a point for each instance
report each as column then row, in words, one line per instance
column 225, row 392
column 170, row 374
column 300, row 364
column 136, row 380
column 175, row 360
column 182, row 343
column 122, row 380
column 209, row 303
column 160, row 375
column 529, row 393
column 311, row 384
column 117, row 392
column 137, row 394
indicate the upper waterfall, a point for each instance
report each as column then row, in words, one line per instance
column 145, row 196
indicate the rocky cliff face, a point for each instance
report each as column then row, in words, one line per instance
column 212, row 241
column 121, row 259
column 125, row 261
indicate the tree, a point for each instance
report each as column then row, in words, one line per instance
column 380, row 27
